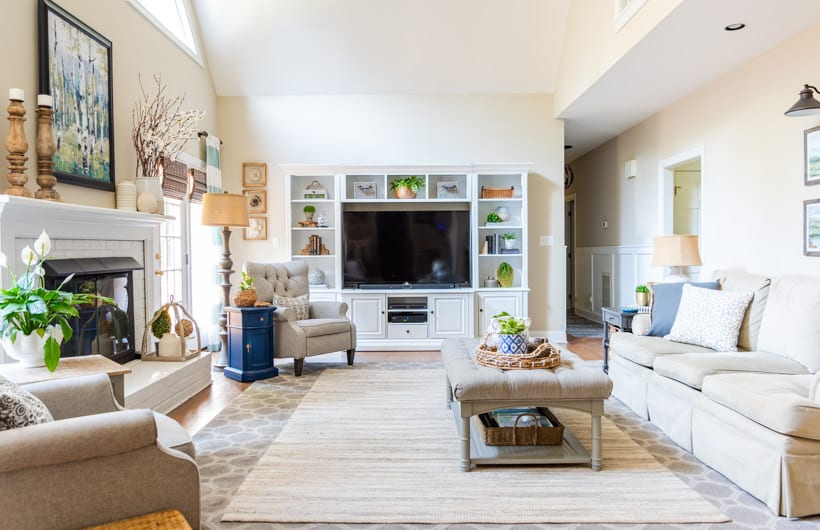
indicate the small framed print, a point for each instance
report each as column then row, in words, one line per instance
column 258, row 229
column 448, row 190
column 811, row 156
column 365, row 189
column 811, row 227
column 254, row 174
column 257, row 201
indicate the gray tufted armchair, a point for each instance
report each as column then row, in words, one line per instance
column 326, row 330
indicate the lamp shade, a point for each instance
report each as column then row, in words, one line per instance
column 806, row 105
column 224, row 209
column 676, row 251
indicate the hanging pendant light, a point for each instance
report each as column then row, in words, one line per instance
column 806, row 105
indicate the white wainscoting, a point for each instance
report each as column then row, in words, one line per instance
column 625, row 267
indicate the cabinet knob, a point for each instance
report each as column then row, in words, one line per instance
column 248, row 348
column 261, row 319
column 480, row 310
column 407, row 331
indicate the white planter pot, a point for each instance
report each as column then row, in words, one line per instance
column 509, row 243
column 152, row 186
column 28, row 349
column 170, row 346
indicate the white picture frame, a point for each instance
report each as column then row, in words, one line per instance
column 365, row 189
column 448, row 189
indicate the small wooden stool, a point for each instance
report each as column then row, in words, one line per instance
column 166, row 519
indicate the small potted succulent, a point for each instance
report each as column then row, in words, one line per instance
column 407, row 187
column 509, row 240
column 511, row 333
column 642, row 295
column 246, row 295
column 493, row 217
column 308, row 210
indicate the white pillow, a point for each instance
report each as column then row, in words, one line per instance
column 299, row 304
column 710, row 318
column 814, row 393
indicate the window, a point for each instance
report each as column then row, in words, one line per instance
column 172, row 18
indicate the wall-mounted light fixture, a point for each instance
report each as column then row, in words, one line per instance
column 806, row 105
column 631, row 169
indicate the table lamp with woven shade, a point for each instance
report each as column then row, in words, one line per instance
column 676, row 251
column 225, row 210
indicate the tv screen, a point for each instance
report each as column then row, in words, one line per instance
column 397, row 247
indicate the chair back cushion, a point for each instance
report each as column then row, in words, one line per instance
column 288, row 279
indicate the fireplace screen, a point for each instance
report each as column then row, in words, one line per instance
column 101, row 328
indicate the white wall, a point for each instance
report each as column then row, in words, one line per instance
column 752, row 167
column 137, row 48
column 406, row 130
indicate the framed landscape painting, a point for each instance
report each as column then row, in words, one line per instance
column 811, row 146
column 811, row 227
column 75, row 68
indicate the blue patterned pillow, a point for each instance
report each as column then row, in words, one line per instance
column 665, row 302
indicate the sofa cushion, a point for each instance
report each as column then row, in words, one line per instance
column 791, row 320
column 691, row 368
column 745, row 282
column 779, row 402
column 665, row 302
column 642, row 350
column 19, row 407
column 299, row 304
column 318, row 327
column 814, row 391
column 710, row 318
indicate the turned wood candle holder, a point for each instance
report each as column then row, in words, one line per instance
column 17, row 146
column 46, row 147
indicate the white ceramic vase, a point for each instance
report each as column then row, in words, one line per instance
column 169, row 346
column 28, row 349
column 127, row 196
column 154, row 187
column 509, row 243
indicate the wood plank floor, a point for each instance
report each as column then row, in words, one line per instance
column 200, row 409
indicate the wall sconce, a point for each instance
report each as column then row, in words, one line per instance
column 631, row 169
column 806, row 105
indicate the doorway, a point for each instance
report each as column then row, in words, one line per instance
column 569, row 240
column 680, row 204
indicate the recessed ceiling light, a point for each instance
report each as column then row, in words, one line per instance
column 567, row 147
column 735, row 27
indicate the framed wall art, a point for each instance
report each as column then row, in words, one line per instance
column 365, row 190
column 75, row 68
column 257, row 201
column 811, row 156
column 254, row 174
column 811, row 227
column 258, row 229
column 447, row 190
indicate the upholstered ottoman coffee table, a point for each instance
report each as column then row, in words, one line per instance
column 473, row 389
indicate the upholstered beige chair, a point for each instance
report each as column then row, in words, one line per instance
column 324, row 329
column 95, row 463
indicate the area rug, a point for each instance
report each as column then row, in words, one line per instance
column 578, row 326
column 379, row 446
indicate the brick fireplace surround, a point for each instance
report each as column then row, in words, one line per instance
column 80, row 231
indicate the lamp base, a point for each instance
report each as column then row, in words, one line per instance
column 676, row 275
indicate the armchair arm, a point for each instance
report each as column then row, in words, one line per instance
column 284, row 314
column 76, row 396
column 327, row 309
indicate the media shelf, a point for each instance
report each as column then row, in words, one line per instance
column 452, row 312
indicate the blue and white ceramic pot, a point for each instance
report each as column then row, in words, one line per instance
column 512, row 344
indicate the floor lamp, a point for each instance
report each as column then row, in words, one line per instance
column 676, row 251
column 225, row 210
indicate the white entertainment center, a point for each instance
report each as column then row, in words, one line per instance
column 413, row 317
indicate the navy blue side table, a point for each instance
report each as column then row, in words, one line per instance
column 250, row 343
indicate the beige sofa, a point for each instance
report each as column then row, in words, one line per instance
column 748, row 414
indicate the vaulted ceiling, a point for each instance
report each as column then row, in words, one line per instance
column 269, row 47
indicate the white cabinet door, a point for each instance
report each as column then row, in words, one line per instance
column 367, row 312
column 490, row 304
column 449, row 317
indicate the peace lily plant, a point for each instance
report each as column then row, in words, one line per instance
column 30, row 314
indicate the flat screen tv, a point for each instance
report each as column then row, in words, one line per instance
column 406, row 248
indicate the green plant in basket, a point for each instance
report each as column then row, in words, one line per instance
column 505, row 274
column 247, row 282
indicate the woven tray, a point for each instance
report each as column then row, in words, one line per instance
column 546, row 355
column 497, row 193
column 492, row 434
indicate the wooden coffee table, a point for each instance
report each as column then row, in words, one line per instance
column 71, row 367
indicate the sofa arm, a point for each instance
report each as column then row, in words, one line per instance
column 76, row 396
column 327, row 309
column 92, row 470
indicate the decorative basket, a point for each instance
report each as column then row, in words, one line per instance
column 497, row 193
column 492, row 434
column 545, row 355
column 244, row 298
column 181, row 321
column 314, row 190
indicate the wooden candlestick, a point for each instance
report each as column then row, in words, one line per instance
column 46, row 147
column 17, row 146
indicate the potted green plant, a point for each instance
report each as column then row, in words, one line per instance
column 505, row 274
column 308, row 210
column 407, row 187
column 642, row 295
column 511, row 333
column 509, row 240
column 493, row 217
column 246, row 295
column 35, row 320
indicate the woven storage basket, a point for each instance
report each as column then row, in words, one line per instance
column 546, row 355
column 497, row 193
column 167, row 519
column 492, row 434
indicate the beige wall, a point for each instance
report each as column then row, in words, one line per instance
column 752, row 173
column 592, row 46
column 137, row 48
column 406, row 130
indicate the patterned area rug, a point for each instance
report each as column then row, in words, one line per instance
column 231, row 445
column 581, row 327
